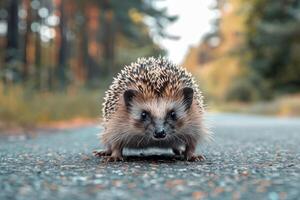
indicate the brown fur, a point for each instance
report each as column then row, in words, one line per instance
column 123, row 130
column 123, row 126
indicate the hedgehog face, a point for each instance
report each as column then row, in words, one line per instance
column 161, row 117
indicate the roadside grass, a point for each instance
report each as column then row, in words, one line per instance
column 286, row 106
column 25, row 108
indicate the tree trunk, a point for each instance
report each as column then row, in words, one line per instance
column 83, row 51
column 62, row 56
column 108, row 38
column 25, row 71
column 38, row 54
column 12, row 31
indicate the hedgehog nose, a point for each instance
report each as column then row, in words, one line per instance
column 160, row 133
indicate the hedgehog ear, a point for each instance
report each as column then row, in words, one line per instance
column 188, row 94
column 128, row 96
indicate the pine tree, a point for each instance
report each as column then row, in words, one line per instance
column 273, row 42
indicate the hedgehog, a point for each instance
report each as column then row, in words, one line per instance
column 153, row 103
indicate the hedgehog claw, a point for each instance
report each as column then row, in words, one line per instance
column 114, row 159
column 196, row 158
column 101, row 153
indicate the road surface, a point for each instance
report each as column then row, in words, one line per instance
column 251, row 158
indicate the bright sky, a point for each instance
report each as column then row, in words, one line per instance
column 194, row 21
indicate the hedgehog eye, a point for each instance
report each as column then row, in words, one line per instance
column 144, row 115
column 173, row 115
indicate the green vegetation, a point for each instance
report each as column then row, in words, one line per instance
column 50, row 50
column 56, row 44
column 56, row 55
column 272, row 44
column 281, row 106
column 250, row 61
column 27, row 108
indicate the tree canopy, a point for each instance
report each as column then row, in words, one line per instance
column 51, row 44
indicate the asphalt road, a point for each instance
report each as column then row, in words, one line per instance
column 251, row 158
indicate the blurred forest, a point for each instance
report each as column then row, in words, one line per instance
column 58, row 56
column 51, row 44
column 252, row 53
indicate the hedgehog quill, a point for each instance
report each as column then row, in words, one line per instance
column 153, row 103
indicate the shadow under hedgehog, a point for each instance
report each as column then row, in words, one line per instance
column 153, row 103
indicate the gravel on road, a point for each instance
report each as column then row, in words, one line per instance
column 251, row 158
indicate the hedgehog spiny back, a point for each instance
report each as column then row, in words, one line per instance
column 151, row 77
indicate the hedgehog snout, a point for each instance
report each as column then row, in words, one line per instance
column 159, row 133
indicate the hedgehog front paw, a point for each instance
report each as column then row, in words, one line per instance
column 114, row 159
column 195, row 158
column 116, row 155
column 101, row 153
